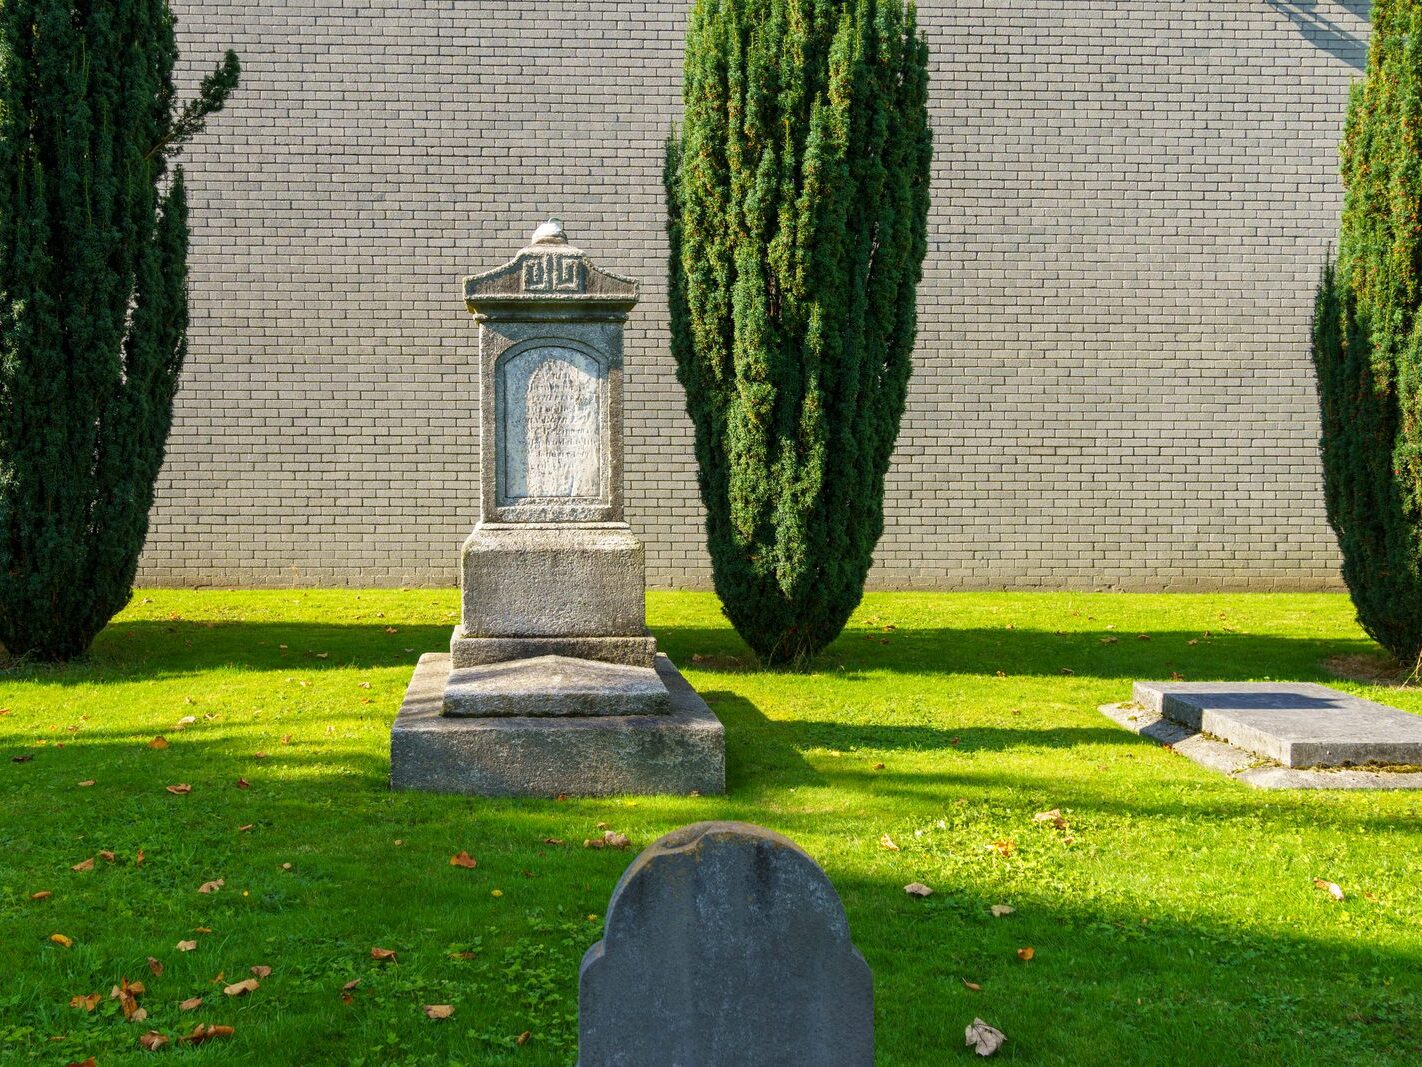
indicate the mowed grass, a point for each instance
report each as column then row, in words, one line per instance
column 1174, row 920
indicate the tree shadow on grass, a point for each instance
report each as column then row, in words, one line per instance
column 860, row 656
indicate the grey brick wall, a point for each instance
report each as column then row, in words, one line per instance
column 1112, row 389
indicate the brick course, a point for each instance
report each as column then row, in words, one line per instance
column 1112, row 388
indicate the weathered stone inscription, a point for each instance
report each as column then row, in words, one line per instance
column 550, row 423
column 552, row 272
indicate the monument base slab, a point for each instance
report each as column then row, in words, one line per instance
column 470, row 651
column 681, row 752
column 555, row 686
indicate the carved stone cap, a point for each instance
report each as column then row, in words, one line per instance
column 550, row 272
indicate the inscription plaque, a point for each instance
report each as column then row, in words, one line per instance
column 550, row 415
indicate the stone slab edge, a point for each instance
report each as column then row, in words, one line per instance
column 1244, row 766
column 675, row 754
column 634, row 651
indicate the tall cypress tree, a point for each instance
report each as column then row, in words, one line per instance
column 93, row 302
column 1367, row 340
column 797, row 195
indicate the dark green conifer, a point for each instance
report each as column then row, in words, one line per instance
column 797, row 195
column 1367, row 340
column 93, row 302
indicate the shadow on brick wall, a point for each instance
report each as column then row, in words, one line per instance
column 1316, row 22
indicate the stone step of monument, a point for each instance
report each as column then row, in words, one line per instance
column 554, row 686
column 471, row 651
column 1299, row 724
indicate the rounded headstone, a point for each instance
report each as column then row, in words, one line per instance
column 725, row 944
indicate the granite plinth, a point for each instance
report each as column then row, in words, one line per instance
column 473, row 651
column 530, row 580
column 1298, row 724
column 555, row 686
column 681, row 752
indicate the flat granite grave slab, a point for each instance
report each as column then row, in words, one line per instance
column 1296, row 724
column 1246, row 767
column 680, row 752
column 554, row 686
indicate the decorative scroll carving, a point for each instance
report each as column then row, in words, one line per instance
column 552, row 272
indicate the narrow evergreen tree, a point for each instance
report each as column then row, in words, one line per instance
column 1367, row 341
column 93, row 302
column 797, row 197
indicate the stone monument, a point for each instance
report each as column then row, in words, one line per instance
column 725, row 946
column 552, row 683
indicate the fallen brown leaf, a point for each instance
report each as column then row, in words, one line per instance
column 439, row 1011
column 1054, row 817
column 1005, row 847
column 158, row 742
column 615, row 840
column 242, row 988
column 972, row 985
column 190, row 1004
column 887, row 842
column 155, row 967
column 242, row 783
column 62, row 941
column 90, row 1062
column 1025, row 954
column 463, row 859
column 84, row 865
column 180, row 789
column 43, row 894
column 382, row 953
column 350, row 985
column 999, row 910
column 88, row 1003
column 261, row 970
column 186, row 946
column 554, row 841
column 107, row 856
column 917, row 889
column 202, row 1033
column 212, row 887
column 86, row 783
column 152, row 1041
column 202, row 929
column 522, row 1038
column 244, row 829
column 982, row 1038
column 1333, row 889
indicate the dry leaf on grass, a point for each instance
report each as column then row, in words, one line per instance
column 887, row 842
column 1025, row 954
column 554, row 841
column 1054, row 817
column 90, row 1062
column 261, row 970
column 382, row 953
column 522, row 1038
column 999, row 910
column 1333, row 889
column 152, row 1041
column 463, row 955
column 972, row 985
column 350, row 985
column 186, row 720
column 86, row 783
column 242, row 988
column 186, row 946
column 202, row 929
column 84, row 865
column 615, row 840
column 917, row 889
column 190, row 1004
column 982, row 1038
column 43, row 894
column 439, row 1011
column 244, row 829
column 212, row 887
column 1005, row 847
column 107, row 856
column 180, row 789
column 62, row 941
column 202, row 1033
column 463, row 859
column 242, row 783
column 158, row 742
column 88, row 1003
column 155, row 967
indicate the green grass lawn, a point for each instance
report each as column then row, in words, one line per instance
column 1174, row 920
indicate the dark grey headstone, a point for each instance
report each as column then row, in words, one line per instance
column 725, row 946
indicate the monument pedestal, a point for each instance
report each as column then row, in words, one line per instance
column 678, row 752
column 552, row 683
